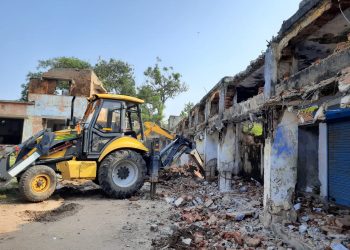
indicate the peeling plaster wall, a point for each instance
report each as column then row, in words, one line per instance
column 281, row 169
column 57, row 107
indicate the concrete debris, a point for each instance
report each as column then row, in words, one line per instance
column 209, row 219
column 338, row 246
column 253, row 242
column 319, row 225
column 187, row 241
column 297, row 206
column 178, row 202
column 169, row 200
column 302, row 228
column 154, row 227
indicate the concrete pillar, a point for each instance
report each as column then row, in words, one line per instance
column 323, row 159
column 226, row 158
column 222, row 100
column 281, row 157
column 270, row 70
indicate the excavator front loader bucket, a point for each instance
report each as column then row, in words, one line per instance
column 29, row 153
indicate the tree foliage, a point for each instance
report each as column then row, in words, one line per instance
column 117, row 76
column 164, row 81
column 186, row 111
column 161, row 83
column 152, row 110
column 63, row 62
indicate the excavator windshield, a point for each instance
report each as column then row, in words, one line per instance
column 90, row 110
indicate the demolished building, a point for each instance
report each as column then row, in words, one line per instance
column 48, row 105
column 285, row 120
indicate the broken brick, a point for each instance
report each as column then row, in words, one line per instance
column 198, row 237
column 236, row 236
column 252, row 242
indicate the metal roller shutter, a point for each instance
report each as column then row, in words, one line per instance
column 339, row 162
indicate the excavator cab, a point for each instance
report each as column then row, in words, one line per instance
column 107, row 119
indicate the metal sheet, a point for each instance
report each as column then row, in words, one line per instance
column 339, row 162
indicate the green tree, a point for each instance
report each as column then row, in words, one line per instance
column 152, row 110
column 57, row 62
column 117, row 76
column 163, row 83
column 186, row 111
column 63, row 62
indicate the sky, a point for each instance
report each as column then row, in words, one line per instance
column 204, row 40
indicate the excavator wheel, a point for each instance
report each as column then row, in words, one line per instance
column 37, row 183
column 122, row 173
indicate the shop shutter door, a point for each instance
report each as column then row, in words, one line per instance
column 339, row 162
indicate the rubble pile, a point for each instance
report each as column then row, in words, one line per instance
column 205, row 218
column 320, row 225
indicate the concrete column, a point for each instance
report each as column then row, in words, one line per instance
column 281, row 157
column 270, row 70
column 237, row 149
column 222, row 101
column 226, row 157
column 323, row 159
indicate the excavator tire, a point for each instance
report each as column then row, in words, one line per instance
column 121, row 174
column 37, row 183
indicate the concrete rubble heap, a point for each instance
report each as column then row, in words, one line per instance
column 205, row 218
column 278, row 121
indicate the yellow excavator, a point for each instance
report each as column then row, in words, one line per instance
column 106, row 146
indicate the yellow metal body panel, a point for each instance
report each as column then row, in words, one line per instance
column 77, row 169
column 116, row 97
column 120, row 143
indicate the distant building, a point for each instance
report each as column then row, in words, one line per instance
column 48, row 105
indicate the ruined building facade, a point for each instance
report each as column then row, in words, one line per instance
column 285, row 120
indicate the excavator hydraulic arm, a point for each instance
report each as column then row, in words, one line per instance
column 162, row 159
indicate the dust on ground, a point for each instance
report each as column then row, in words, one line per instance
column 80, row 216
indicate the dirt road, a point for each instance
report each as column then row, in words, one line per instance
column 79, row 219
